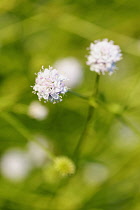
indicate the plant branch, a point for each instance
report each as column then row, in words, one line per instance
column 78, row 95
column 90, row 115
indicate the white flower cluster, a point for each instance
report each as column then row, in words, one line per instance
column 72, row 69
column 15, row 165
column 103, row 56
column 49, row 85
column 37, row 111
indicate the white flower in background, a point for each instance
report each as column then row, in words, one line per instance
column 103, row 56
column 15, row 165
column 95, row 173
column 49, row 85
column 36, row 153
column 125, row 139
column 37, row 111
column 72, row 69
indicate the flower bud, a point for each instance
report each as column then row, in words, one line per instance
column 115, row 108
column 64, row 166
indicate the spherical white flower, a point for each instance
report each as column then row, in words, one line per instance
column 95, row 173
column 49, row 85
column 103, row 56
column 37, row 111
column 72, row 69
column 36, row 153
column 15, row 165
column 125, row 139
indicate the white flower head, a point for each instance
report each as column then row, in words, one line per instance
column 15, row 165
column 36, row 153
column 72, row 69
column 37, row 111
column 49, row 85
column 95, row 173
column 103, row 56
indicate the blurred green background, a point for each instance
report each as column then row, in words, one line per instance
column 38, row 32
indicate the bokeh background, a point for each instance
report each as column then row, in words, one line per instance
column 57, row 33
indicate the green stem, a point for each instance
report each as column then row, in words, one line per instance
column 88, row 120
column 78, row 95
column 96, row 86
column 24, row 131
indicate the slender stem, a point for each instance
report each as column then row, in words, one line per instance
column 78, row 95
column 24, row 131
column 96, row 86
column 88, row 120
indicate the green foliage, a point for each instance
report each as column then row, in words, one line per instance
column 36, row 33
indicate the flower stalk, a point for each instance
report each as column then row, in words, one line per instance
column 78, row 95
column 89, row 119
